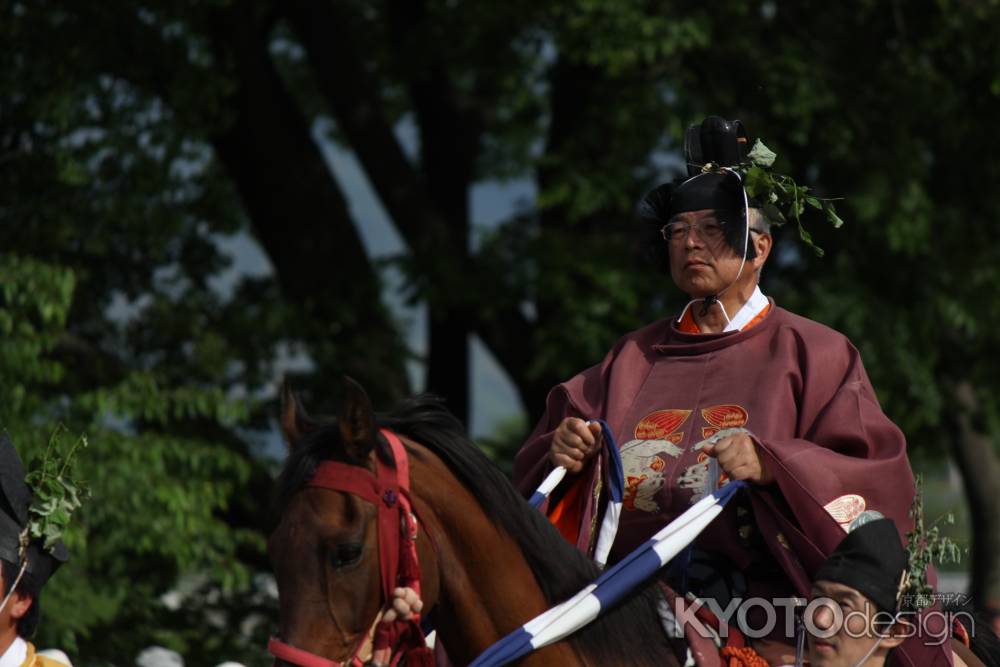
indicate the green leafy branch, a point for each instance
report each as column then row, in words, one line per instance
column 782, row 199
column 924, row 545
column 55, row 493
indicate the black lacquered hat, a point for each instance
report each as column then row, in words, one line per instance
column 870, row 559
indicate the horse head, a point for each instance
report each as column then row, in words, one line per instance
column 488, row 561
column 325, row 546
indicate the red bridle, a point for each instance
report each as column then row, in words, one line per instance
column 389, row 490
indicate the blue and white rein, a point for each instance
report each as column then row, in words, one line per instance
column 615, row 583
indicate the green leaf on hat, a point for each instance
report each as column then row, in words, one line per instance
column 924, row 545
column 831, row 215
column 773, row 214
column 761, row 155
column 55, row 494
column 781, row 197
column 807, row 238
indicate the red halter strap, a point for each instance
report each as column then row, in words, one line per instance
column 297, row 656
column 389, row 490
column 381, row 490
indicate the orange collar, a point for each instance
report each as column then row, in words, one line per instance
column 688, row 325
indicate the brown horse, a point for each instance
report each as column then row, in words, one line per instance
column 489, row 561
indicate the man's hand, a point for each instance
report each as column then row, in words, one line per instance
column 405, row 603
column 738, row 457
column 574, row 442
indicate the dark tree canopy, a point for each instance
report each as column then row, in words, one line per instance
column 134, row 137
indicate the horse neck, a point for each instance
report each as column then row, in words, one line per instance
column 484, row 587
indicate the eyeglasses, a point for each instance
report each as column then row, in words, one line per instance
column 707, row 230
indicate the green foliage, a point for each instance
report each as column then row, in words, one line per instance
column 36, row 301
column 158, row 495
column 761, row 156
column 781, row 198
column 924, row 546
column 56, row 494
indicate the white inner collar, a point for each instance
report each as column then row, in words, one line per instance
column 15, row 654
column 751, row 309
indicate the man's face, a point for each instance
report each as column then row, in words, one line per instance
column 702, row 263
column 848, row 615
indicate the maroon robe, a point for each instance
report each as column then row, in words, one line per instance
column 801, row 390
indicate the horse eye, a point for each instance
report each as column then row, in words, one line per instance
column 346, row 554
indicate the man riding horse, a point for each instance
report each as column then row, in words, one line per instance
column 732, row 388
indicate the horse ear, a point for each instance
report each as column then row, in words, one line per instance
column 356, row 419
column 295, row 423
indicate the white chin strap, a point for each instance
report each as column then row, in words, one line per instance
column 799, row 653
column 714, row 299
column 869, row 654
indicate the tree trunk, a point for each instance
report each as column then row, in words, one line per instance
column 301, row 220
column 448, row 148
column 976, row 459
column 431, row 212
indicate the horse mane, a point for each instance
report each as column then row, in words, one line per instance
column 560, row 570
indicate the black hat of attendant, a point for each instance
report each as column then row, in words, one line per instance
column 15, row 499
column 870, row 559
